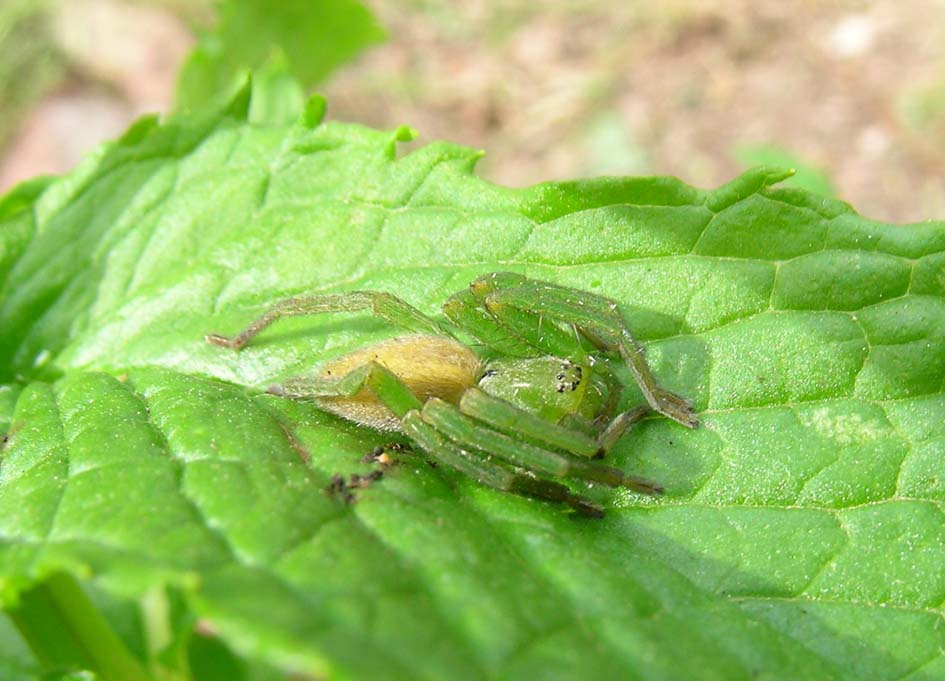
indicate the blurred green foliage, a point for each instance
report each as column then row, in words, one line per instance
column 309, row 39
column 29, row 63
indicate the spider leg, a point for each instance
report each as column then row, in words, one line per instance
column 618, row 426
column 512, row 333
column 377, row 379
column 598, row 320
column 493, row 475
column 384, row 305
column 467, row 432
column 507, row 418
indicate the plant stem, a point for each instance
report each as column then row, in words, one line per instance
column 66, row 631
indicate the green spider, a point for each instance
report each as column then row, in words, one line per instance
column 540, row 403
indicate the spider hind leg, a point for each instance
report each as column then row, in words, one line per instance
column 384, row 305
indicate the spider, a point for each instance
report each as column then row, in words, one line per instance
column 538, row 403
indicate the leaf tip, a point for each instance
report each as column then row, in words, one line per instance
column 750, row 182
column 402, row 134
column 314, row 111
column 405, row 134
column 139, row 129
column 22, row 196
column 777, row 174
column 239, row 104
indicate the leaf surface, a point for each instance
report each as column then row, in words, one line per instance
column 802, row 533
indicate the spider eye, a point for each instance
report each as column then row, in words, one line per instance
column 569, row 378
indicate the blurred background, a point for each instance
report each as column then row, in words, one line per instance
column 850, row 93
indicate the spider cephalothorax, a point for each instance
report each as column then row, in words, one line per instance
column 543, row 404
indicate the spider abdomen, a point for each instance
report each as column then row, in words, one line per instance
column 430, row 366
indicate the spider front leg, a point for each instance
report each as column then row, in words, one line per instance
column 442, row 450
column 384, row 305
column 506, row 295
column 469, row 433
column 619, row 425
column 511, row 420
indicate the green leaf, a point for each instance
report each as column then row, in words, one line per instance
column 306, row 38
column 802, row 532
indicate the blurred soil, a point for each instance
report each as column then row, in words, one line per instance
column 568, row 88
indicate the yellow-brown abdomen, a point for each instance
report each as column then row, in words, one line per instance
column 430, row 366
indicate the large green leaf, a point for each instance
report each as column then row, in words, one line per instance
column 802, row 533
